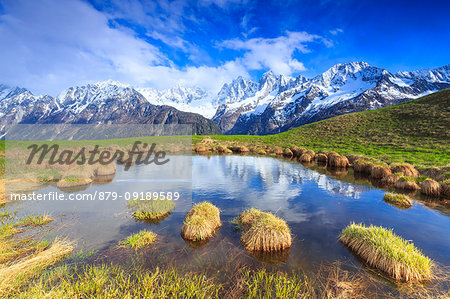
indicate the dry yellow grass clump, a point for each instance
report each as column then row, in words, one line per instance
column 330, row 154
column 201, row 222
column 277, row 151
column 387, row 252
column 104, row 170
column 407, row 183
column 362, row 166
column 430, row 187
column 311, row 153
column 73, row 181
column 445, row 188
column 224, row 150
column 201, row 149
column 287, row 153
column 264, row 231
column 295, row 151
column 306, row 158
column 15, row 275
column 390, row 179
column 379, row 172
column 400, row 200
column 242, row 149
column 337, row 161
column 405, row 168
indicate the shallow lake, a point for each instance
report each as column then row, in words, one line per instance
column 315, row 205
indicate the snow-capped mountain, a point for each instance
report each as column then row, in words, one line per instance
column 344, row 88
column 194, row 100
column 102, row 102
column 275, row 103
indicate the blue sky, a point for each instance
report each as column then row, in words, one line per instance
column 48, row 45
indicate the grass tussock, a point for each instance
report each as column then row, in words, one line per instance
column 362, row 166
column 264, row 231
column 72, row 180
column 400, row 200
column 201, row 149
column 322, row 158
column 311, row 153
column 337, row 161
column 295, row 151
column 201, row 222
column 287, row 153
column 387, row 252
column 445, row 188
column 306, row 158
column 249, row 217
column 431, row 188
column 330, row 154
column 106, row 170
column 389, row 180
column 405, row 168
column 406, row 183
column 152, row 210
column 15, row 275
column 139, row 240
column 380, row 172
column 277, row 151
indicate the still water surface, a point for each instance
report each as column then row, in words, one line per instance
column 316, row 207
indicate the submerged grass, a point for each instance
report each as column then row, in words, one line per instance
column 396, row 199
column 201, row 222
column 114, row 281
column 108, row 281
column 21, row 257
column 152, row 210
column 384, row 250
column 139, row 240
column 35, row 220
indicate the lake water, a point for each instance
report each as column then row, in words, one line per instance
column 315, row 205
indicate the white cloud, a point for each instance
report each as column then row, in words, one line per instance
column 336, row 31
column 273, row 53
column 222, row 3
column 49, row 45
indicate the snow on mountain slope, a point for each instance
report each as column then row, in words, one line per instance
column 193, row 100
column 8, row 92
column 100, row 103
column 344, row 88
column 273, row 104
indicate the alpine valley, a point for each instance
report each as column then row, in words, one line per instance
column 275, row 103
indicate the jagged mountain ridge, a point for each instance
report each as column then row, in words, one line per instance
column 274, row 104
column 103, row 102
column 344, row 88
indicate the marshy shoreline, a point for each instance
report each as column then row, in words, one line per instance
column 432, row 182
column 240, row 280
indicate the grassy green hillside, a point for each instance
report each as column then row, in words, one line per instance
column 416, row 131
